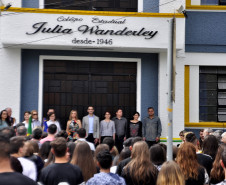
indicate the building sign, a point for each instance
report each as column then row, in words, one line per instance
column 88, row 30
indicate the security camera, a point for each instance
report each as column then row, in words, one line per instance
column 7, row 6
column 182, row 10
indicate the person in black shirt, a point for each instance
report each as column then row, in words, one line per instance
column 7, row 174
column 194, row 173
column 124, row 162
column 61, row 171
column 134, row 127
column 203, row 159
column 120, row 128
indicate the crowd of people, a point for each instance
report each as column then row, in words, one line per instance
column 110, row 152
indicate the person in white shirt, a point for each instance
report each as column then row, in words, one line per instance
column 52, row 120
column 81, row 137
column 26, row 118
column 35, row 122
column 18, row 150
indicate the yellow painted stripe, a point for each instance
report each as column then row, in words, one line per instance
column 206, row 124
column 188, row 3
column 186, row 93
column 170, row 110
column 173, row 138
column 100, row 13
column 206, row 7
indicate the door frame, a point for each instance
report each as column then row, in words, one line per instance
column 84, row 58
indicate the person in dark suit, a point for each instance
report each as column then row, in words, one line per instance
column 92, row 125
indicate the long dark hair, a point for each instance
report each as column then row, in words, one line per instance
column 187, row 160
column 82, row 157
column 210, row 146
column 7, row 119
column 140, row 167
column 45, row 150
column 217, row 172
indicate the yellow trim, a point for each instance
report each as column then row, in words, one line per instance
column 173, row 138
column 206, row 7
column 206, row 124
column 188, row 3
column 100, row 13
column 186, row 93
column 170, row 110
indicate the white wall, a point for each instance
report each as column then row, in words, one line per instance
column 166, row 6
column 10, row 71
column 15, row 3
column 195, row 2
column 178, row 106
column 194, row 94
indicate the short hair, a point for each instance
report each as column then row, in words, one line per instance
column 37, row 133
column 105, row 159
column 157, row 154
column 19, row 125
column 22, row 131
column 81, row 132
column 222, row 135
column 90, row 106
column 136, row 113
column 50, row 114
column 109, row 141
column 33, row 111
column 8, row 132
column 127, row 143
column 16, row 143
column 201, row 130
column 136, row 139
column 223, row 157
column 191, row 138
column 27, row 112
column 182, row 132
column 99, row 148
column 52, row 129
column 62, row 134
column 4, row 146
column 119, row 109
column 209, row 130
column 59, row 145
column 151, row 108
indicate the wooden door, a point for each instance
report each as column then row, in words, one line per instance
column 77, row 84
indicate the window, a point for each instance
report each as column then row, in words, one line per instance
column 95, row 5
column 213, row 2
column 212, row 93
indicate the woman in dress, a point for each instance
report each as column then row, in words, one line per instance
column 107, row 127
column 134, row 127
column 26, row 118
column 52, row 120
column 73, row 125
column 4, row 119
